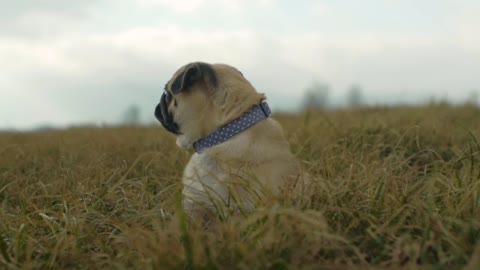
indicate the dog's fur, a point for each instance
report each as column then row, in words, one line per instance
column 201, row 98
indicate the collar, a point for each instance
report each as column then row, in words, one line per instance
column 257, row 114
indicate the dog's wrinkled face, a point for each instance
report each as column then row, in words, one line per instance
column 201, row 97
column 182, row 101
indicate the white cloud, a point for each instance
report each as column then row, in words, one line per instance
column 185, row 6
column 320, row 8
column 383, row 62
column 82, row 70
column 191, row 6
column 467, row 27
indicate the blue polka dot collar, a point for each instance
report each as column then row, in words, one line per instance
column 257, row 114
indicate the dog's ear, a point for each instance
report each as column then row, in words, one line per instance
column 193, row 73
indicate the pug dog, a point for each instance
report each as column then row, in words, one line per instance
column 242, row 156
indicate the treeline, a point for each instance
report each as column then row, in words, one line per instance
column 317, row 96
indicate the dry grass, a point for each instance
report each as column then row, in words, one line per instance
column 396, row 188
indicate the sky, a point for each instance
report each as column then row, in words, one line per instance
column 75, row 62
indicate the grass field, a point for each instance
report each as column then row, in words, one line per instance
column 394, row 188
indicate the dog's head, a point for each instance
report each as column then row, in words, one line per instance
column 201, row 98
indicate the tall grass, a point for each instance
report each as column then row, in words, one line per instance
column 394, row 188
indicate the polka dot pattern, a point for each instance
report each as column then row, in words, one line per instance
column 257, row 114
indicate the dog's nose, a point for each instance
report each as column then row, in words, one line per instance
column 158, row 113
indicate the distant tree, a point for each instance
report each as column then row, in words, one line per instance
column 355, row 96
column 132, row 115
column 43, row 128
column 316, row 95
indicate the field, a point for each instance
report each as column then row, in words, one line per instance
column 394, row 188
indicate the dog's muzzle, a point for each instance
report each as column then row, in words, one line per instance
column 165, row 117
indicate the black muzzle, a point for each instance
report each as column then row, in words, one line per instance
column 165, row 117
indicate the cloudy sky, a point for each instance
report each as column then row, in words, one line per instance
column 83, row 61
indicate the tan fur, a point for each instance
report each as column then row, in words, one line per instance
column 256, row 160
